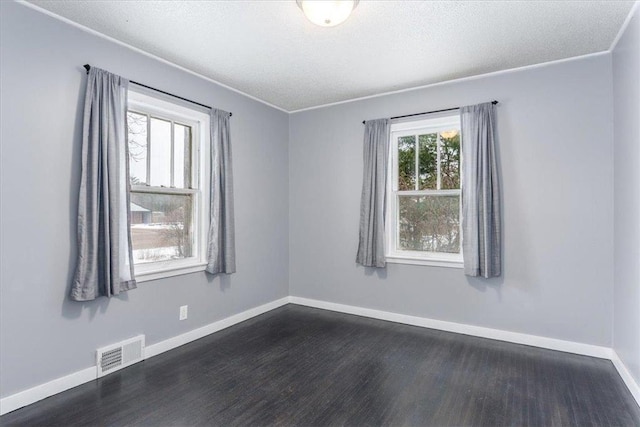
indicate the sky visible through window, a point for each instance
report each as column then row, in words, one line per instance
column 427, row 198
column 159, row 150
column 159, row 159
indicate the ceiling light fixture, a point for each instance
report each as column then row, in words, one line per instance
column 327, row 13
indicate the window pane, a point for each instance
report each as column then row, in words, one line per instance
column 161, row 227
column 137, row 130
column 160, row 152
column 429, row 223
column 428, row 166
column 450, row 159
column 182, row 156
column 407, row 163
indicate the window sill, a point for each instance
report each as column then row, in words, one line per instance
column 148, row 275
column 428, row 262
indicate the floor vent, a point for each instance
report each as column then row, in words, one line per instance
column 120, row 355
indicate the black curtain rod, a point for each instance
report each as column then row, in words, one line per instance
column 494, row 102
column 88, row 67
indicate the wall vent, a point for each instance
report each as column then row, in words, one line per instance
column 117, row 356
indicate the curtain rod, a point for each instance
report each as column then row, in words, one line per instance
column 88, row 67
column 494, row 102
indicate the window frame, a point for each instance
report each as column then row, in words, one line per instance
column 161, row 108
column 423, row 126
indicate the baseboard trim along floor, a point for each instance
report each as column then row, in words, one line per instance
column 482, row 332
column 171, row 343
column 42, row 391
column 34, row 394
column 460, row 328
column 632, row 385
column 75, row 379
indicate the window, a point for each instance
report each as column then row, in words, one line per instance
column 167, row 172
column 424, row 197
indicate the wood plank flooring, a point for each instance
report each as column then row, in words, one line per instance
column 307, row 367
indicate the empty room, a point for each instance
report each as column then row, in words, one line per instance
column 319, row 213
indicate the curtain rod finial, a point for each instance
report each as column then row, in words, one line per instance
column 87, row 67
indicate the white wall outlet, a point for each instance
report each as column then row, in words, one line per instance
column 183, row 312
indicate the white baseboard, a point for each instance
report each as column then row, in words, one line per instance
column 171, row 343
column 42, row 391
column 478, row 331
column 460, row 328
column 32, row 395
column 628, row 379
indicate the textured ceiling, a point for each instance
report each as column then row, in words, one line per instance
column 269, row 50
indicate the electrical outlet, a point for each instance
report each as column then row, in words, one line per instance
column 183, row 312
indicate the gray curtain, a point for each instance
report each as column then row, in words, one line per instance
column 221, row 250
column 374, row 186
column 105, row 263
column 481, row 219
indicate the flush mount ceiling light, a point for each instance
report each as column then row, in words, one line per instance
column 327, row 13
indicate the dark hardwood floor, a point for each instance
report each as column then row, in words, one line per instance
column 307, row 367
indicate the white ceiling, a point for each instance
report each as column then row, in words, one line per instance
column 269, row 50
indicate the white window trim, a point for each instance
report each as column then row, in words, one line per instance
column 393, row 255
column 200, row 183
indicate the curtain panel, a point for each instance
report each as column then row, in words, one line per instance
column 221, row 250
column 371, row 245
column 481, row 205
column 105, row 262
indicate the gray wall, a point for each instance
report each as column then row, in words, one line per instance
column 555, row 127
column 43, row 335
column 626, row 104
column 297, row 202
